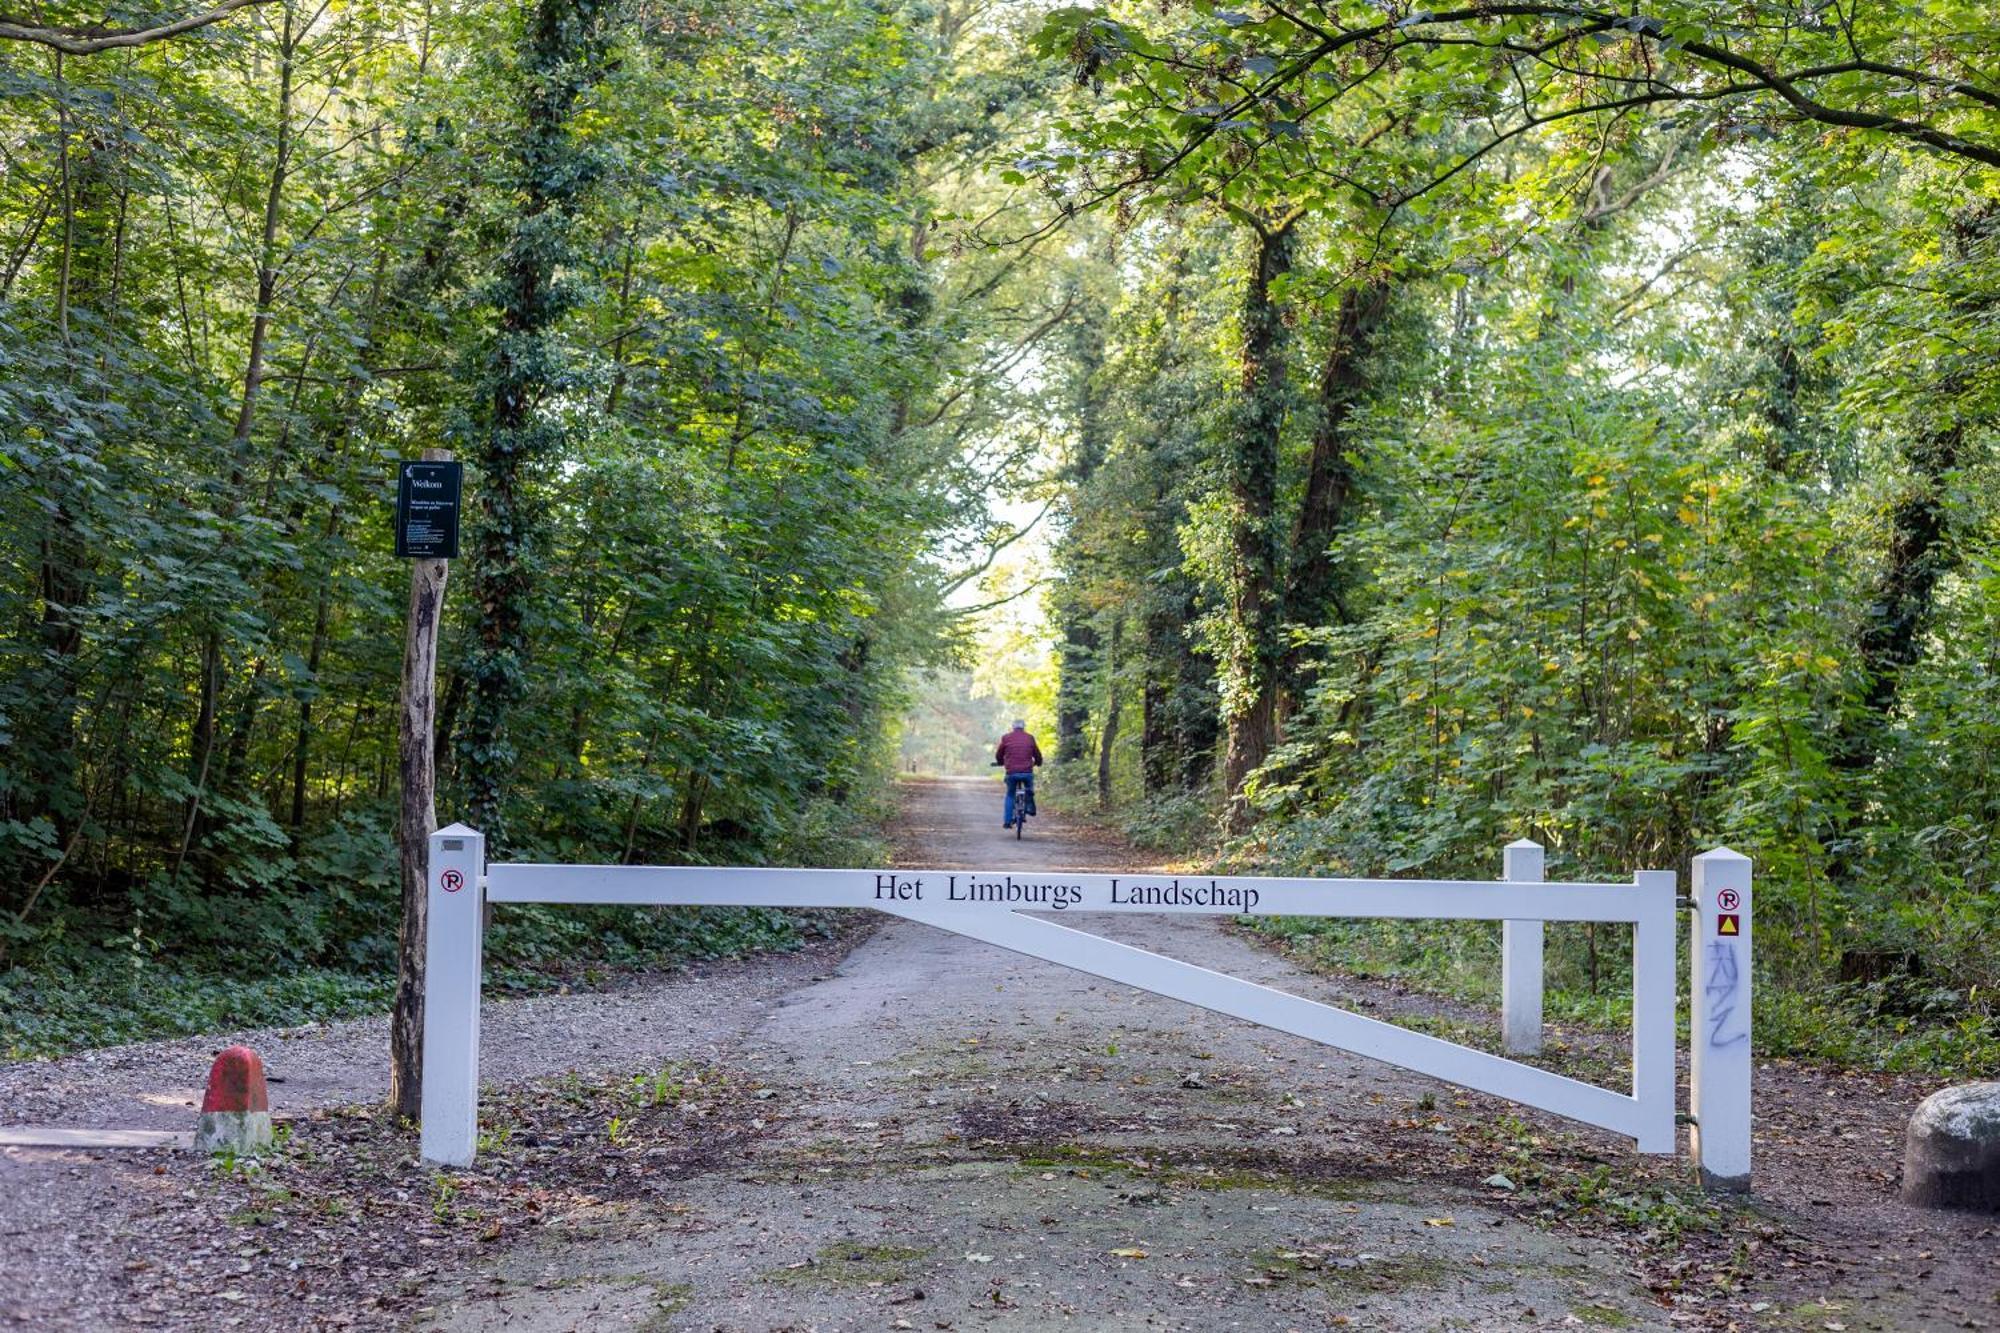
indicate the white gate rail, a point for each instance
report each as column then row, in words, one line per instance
column 989, row 906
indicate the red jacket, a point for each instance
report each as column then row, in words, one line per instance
column 1017, row 752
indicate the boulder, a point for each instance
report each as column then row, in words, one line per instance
column 1951, row 1157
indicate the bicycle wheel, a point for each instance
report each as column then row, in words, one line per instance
column 1020, row 819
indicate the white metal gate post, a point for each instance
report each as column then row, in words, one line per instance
column 453, row 946
column 1655, row 1019
column 1521, row 958
column 1719, row 1040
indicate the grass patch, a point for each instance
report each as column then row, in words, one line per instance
column 1220, row 1171
column 849, row 1262
column 669, row 1299
column 1399, row 1273
column 1374, row 1274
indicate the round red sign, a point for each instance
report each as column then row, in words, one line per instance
column 452, row 881
column 1727, row 900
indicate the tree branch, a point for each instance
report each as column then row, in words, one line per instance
column 994, row 549
column 89, row 39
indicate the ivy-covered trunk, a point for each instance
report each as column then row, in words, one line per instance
column 1177, row 701
column 562, row 58
column 1255, row 648
column 1107, row 736
column 1312, row 586
column 1076, row 660
column 1079, row 642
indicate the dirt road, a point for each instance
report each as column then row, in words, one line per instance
column 978, row 1140
column 919, row 1131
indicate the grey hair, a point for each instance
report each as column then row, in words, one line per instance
column 1019, row 725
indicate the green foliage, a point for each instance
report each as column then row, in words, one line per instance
column 675, row 290
column 1457, row 425
column 104, row 1001
column 1894, row 1025
column 1635, row 451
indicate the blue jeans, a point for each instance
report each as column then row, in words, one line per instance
column 1024, row 783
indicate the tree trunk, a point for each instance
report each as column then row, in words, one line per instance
column 66, row 577
column 1108, row 737
column 562, row 57
column 416, row 820
column 202, row 746
column 1253, row 658
column 302, row 740
column 1312, row 589
column 1079, row 642
column 267, row 253
column 1076, row 659
column 206, row 729
column 1919, row 557
column 1178, row 727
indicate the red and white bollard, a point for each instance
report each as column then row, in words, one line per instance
column 236, row 1113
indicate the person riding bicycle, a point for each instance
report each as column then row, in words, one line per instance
column 1018, row 756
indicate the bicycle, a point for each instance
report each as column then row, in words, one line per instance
column 1023, row 805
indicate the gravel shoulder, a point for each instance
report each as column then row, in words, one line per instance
column 99, row 1239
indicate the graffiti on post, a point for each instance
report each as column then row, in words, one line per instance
column 1722, row 989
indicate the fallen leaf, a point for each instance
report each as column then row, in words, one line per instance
column 970, row 1257
column 1129, row 1253
column 1438, row 1221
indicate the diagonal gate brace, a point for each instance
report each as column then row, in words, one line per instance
column 1046, row 940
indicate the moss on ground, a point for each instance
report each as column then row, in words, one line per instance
column 846, row 1261
column 1197, row 1175
column 670, row 1299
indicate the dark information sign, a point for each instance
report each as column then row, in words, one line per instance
column 427, row 510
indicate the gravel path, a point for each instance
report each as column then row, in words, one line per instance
column 964, row 1138
column 907, row 1129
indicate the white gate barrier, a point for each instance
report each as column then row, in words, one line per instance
column 989, row 906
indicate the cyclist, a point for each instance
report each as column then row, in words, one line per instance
column 1019, row 756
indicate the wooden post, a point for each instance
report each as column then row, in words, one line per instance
column 416, row 753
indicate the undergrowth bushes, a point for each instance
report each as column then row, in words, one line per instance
column 313, row 950
column 1894, row 1024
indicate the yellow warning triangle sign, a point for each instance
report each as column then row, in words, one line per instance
column 1726, row 924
